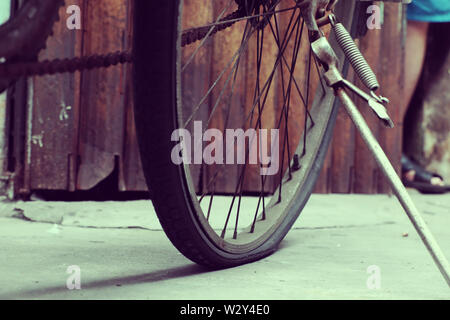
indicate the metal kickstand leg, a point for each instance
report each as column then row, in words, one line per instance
column 396, row 184
column 327, row 58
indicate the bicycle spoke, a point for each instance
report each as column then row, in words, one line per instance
column 291, row 72
column 301, row 95
column 234, row 72
column 259, row 49
column 234, row 59
column 268, row 82
column 260, row 103
column 257, row 103
column 210, row 202
column 191, row 58
column 259, row 62
column 307, row 102
column 268, row 13
column 287, row 40
column 287, row 95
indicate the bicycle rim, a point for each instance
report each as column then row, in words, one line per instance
column 188, row 198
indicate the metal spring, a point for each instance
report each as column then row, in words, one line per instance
column 355, row 57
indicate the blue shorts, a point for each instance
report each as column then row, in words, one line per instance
column 429, row 10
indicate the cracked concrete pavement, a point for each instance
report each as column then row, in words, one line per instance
column 331, row 253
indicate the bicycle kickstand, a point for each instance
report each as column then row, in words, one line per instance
column 327, row 58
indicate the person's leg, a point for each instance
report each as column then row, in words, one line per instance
column 416, row 41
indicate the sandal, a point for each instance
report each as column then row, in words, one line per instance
column 422, row 178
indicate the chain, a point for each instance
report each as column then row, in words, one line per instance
column 20, row 69
column 15, row 70
column 191, row 36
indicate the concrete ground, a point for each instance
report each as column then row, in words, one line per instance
column 342, row 247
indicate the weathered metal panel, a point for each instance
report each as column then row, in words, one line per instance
column 53, row 126
column 101, row 132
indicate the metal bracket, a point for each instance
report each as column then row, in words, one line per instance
column 374, row 103
column 333, row 77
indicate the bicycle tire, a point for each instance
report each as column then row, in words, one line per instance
column 156, row 76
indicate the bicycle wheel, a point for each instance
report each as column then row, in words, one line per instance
column 252, row 70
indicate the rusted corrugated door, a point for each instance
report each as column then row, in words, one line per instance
column 54, row 107
column 81, row 125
